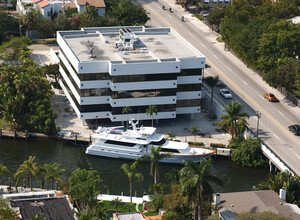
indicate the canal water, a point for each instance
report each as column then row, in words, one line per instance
column 14, row 152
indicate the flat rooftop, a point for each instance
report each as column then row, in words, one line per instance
column 157, row 44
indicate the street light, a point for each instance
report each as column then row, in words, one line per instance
column 258, row 114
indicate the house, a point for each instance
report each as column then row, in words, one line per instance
column 51, row 204
column 135, row 216
column 50, row 7
column 231, row 204
column 104, row 69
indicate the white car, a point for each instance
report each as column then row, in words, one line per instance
column 226, row 93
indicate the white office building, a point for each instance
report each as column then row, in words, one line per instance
column 107, row 68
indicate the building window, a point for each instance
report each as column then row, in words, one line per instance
column 188, row 87
column 188, row 103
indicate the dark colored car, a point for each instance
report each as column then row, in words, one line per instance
column 295, row 129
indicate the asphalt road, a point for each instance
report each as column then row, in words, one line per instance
column 246, row 86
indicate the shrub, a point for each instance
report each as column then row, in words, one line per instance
column 217, row 145
column 196, row 143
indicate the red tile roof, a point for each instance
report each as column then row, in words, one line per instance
column 36, row 1
column 96, row 3
column 43, row 3
column 70, row 4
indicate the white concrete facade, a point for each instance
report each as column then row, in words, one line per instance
column 158, row 67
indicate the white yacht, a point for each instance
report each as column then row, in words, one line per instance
column 133, row 143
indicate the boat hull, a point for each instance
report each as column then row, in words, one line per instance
column 175, row 159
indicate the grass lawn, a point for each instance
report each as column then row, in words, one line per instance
column 150, row 213
column 124, row 206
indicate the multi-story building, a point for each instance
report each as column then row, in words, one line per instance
column 107, row 68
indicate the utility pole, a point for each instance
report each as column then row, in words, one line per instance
column 258, row 114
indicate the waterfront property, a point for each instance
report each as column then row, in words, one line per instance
column 107, row 68
column 231, row 204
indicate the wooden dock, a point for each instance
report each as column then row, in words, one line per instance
column 14, row 134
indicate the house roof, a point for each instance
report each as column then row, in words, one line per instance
column 43, row 3
column 96, row 3
column 52, row 208
column 36, row 1
column 255, row 201
column 69, row 5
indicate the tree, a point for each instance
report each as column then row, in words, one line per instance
column 128, row 13
column 126, row 110
column 172, row 135
column 117, row 203
column 4, row 170
column 46, row 28
column 151, row 110
column 31, row 19
column 129, row 170
column 53, row 172
column 85, row 185
column 154, row 158
column 233, row 119
column 25, row 102
column 217, row 14
column 90, row 12
column 194, row 181
column 249, row 154
column 6, row 212
column 212, row 83
column 266, row 215
column 29, row 169
column 69, row 12
column 62, row 22
column 177, row 205
column 52, row 70
column 15, row 49
column 9, row 26
column 195, row 131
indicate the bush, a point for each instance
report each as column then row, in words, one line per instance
column 249, row 154
column 200, row 17
column 217, row 145
column 196, row 143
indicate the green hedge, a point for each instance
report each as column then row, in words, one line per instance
column 196, row 143
column 217, row 145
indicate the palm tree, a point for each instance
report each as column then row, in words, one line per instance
column 29, row 168
column 53, row 172
column 195, row 131
column 171, row 135
column 117, row 203
column 126, row 110
column 154, row 158
column 235, row 120
column 129, row 170
column 4, row 170
column 151, row 110
column 212, row 83
column 194, row 181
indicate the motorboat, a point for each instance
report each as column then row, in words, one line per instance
column 134, row 142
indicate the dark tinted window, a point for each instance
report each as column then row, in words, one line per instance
column 161, row 142
column 119, row 143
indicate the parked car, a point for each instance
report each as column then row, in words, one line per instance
column 226, row 93
column 271, row 97
column 295, row 129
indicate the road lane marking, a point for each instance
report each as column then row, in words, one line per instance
column 298, row 156
column 280, row 113
column 244, row 82
column 202, row 45
column 215, row 56
column 229, row 69
column 261, row 97
column 276, row 136
column 231, row 82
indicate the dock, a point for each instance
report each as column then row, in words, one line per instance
column 14, row 134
